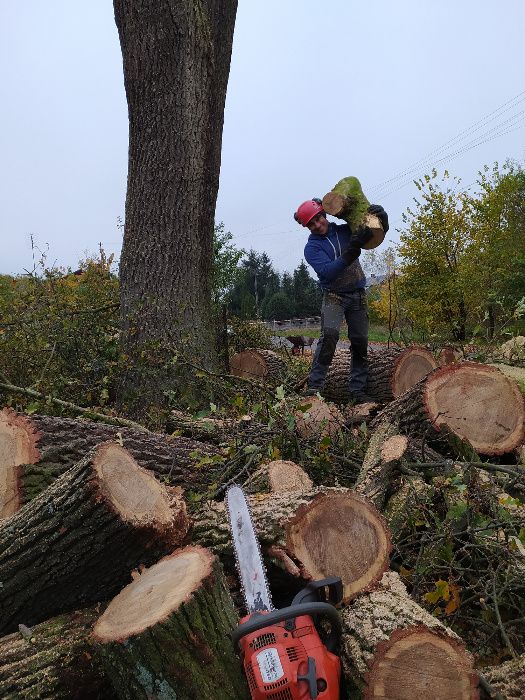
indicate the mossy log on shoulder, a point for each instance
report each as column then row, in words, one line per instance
column 347, row 201
column 53, row 661
column 78, row 542
column 278, row 476
column 324, row 532
column 265, row 365
column 385, row 450
column 391, row 642
column 167, row 634
column 472, row 401
column 36, row 449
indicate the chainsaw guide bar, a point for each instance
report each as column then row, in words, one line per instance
column 250, row 567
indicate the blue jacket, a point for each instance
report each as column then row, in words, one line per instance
column 323, row 253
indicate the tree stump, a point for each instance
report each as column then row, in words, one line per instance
column 278, row 476
column 48, row 446
column 347, row 201
column 314, row 418
column 325, row 532
column 385, row 449
column 167, row 634
column 18, row 440
column 399, row 650
column 471, row 401
column 265, row 365
column 391, row 371
column 78, row 541
column 53, row 660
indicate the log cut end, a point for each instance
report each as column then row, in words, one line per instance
column 340, row 534
column 378, row 234
column 284, row 475
column 394, row 448
column 316, row 418
column 18, row 445
column 153, row 596
column 419, row 663
column 410, row 366
column 257, row 364
column 133, row 491
column 335, row 203
column 479, row 404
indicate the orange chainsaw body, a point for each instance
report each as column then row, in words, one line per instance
column 288, row 661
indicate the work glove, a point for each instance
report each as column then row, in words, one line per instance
column 359, row 239
column 381, row 214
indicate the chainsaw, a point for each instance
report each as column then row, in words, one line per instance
column 283, row 655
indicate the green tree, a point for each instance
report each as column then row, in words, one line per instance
column 225, row 271
column 494, row 267
column 277, row 307
column 306, row 292
column 437, row 232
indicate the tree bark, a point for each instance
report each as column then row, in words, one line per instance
column 471, row 401
column 508, row 678
column 176, row 61
column 48, row 446
column 392, row 644
column 266, row 365
column 324, row 532
column 167, row 634
column 385, row 449
column 78, row 541
column 391, row 371
column 218, row 430
column 53, row 661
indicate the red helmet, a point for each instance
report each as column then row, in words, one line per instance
column 307, row 210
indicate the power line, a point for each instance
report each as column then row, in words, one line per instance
column 495, row 114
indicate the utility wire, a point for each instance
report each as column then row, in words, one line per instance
column 495, row 114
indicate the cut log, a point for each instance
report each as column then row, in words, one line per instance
column 472, row 401
column 53, row 660
column 278, row 476
column 167, row 634
column 314, row 418
column 393, row 648
column 391, row 371
column 18, row 439
column 347, row 201
column 47, row 446
column 448, row 355
column 78, row 541
column 508, row 678
column 217, row 430
column 326, row 532
column 385, row 449
column 265, row 365
column 402, row 508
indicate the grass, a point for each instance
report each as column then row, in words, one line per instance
column 376, row 334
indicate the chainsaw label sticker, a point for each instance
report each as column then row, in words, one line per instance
column 270, row 665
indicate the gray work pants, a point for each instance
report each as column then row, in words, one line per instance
column 351, row 306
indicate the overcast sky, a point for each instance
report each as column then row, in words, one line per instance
column 318, row 91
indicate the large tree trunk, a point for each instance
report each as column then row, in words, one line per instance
column 176, row 60
column 167, row 634
column 53, row 661
column 44, row 447
column 78, row 542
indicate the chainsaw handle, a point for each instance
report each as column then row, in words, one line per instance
column 260, row 620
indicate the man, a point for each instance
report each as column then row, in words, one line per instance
column 333, row 251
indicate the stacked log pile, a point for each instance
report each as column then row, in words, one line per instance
column 114, row 583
